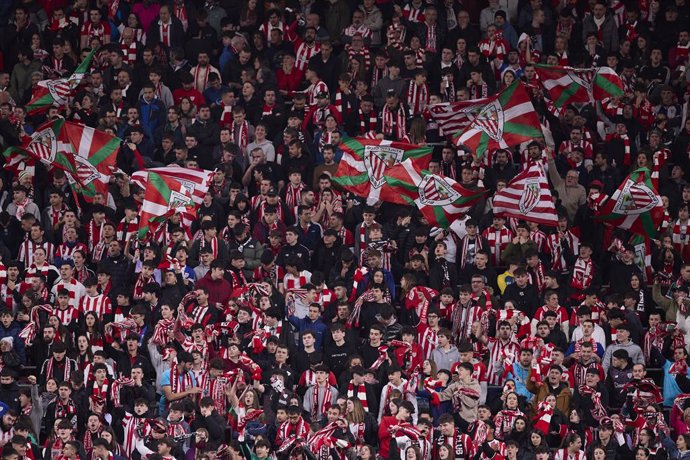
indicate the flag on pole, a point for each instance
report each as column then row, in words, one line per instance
column 527, row 197
column 197, row 181
column 456, row 116
column 635, row 205
column 440, row 199
column 163, row 197
column 508, row 119
column 567, row 85
column 57, row 92
column 365, row 163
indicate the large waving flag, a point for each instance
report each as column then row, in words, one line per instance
column 635, row 206
column 440, row 199
column 508, row 119
column 366, row 162
column 49, row 144
column 57, row 92
column 87, row 155
column 527, row 197
column 95, row 155
column 163, row 197
column 456, row 116
column 197, row 181
column 567, row 85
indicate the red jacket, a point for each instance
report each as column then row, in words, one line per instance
column 289, row 82
column 219, row 291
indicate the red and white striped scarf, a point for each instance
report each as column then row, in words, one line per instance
column 319, row 407
column 536, row 276
column 428, row 340
column 464, row 248
column 598, row 411
column 240, row 134
column 553, row 244
column 431, row 38
column 417, row 97
column 180, row 12
column 376, row 75
column 215, row 388
column 212, row 245
column 94, row 233
column 293, row 194
column 360, row 394
column 64, row 410
column 127, row 230
column 132, row 425
column 139, row 286
column 393, row 125
column 130, row 52
column 179, row 382
column 583, row 273
column 116, row 387
column 363, row 52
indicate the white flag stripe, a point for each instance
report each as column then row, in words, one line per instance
column 85, row 142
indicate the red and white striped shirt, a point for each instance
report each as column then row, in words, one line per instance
column 499, row 350
column 99, row 304
column 553, row 247
column 417, row 97
column 66, row 316
column 27, row 248
column 428, row 339
column 65, row 252
column 304, row 52
column 498, row 241
column 313, row 90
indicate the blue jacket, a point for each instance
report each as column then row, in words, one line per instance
column 305, row 324
column 152, row 114
column 18, row 344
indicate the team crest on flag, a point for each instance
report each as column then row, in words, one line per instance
column 530, row 196
column 86, row 172
column 59, row 90
column 635, row 198
column 436, row 191
column 44, row 145
column 178, row 199
column 377, row 158
column 583, row 79
column 491, row 119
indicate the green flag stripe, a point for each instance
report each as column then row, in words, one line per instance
column 397, row 182
column 42, row 102
column 483, row 144
column 440, row 216
column 352, row 181
column 84, row 66
column 104, row 152
column 567, row 93
column 505, row 96
column 161, row 186
column 522, row 129
column 608, row 86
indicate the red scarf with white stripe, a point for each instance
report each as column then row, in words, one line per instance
column 393, row 125
column 318, row 410
column 417, row 97
column 583, row 273
column 360, row 394
column 293, row 194
column 240, row 134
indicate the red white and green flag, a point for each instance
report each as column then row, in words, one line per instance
column 452, row 117
column 527, row 197
column 95, row 155
column 49, row 144
column 57, row 92
column 567, row 85
column 635, row 205
column 366, row 162
column 163, row 197
column 197, row 181
column 440, row 199
column 508, row 119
